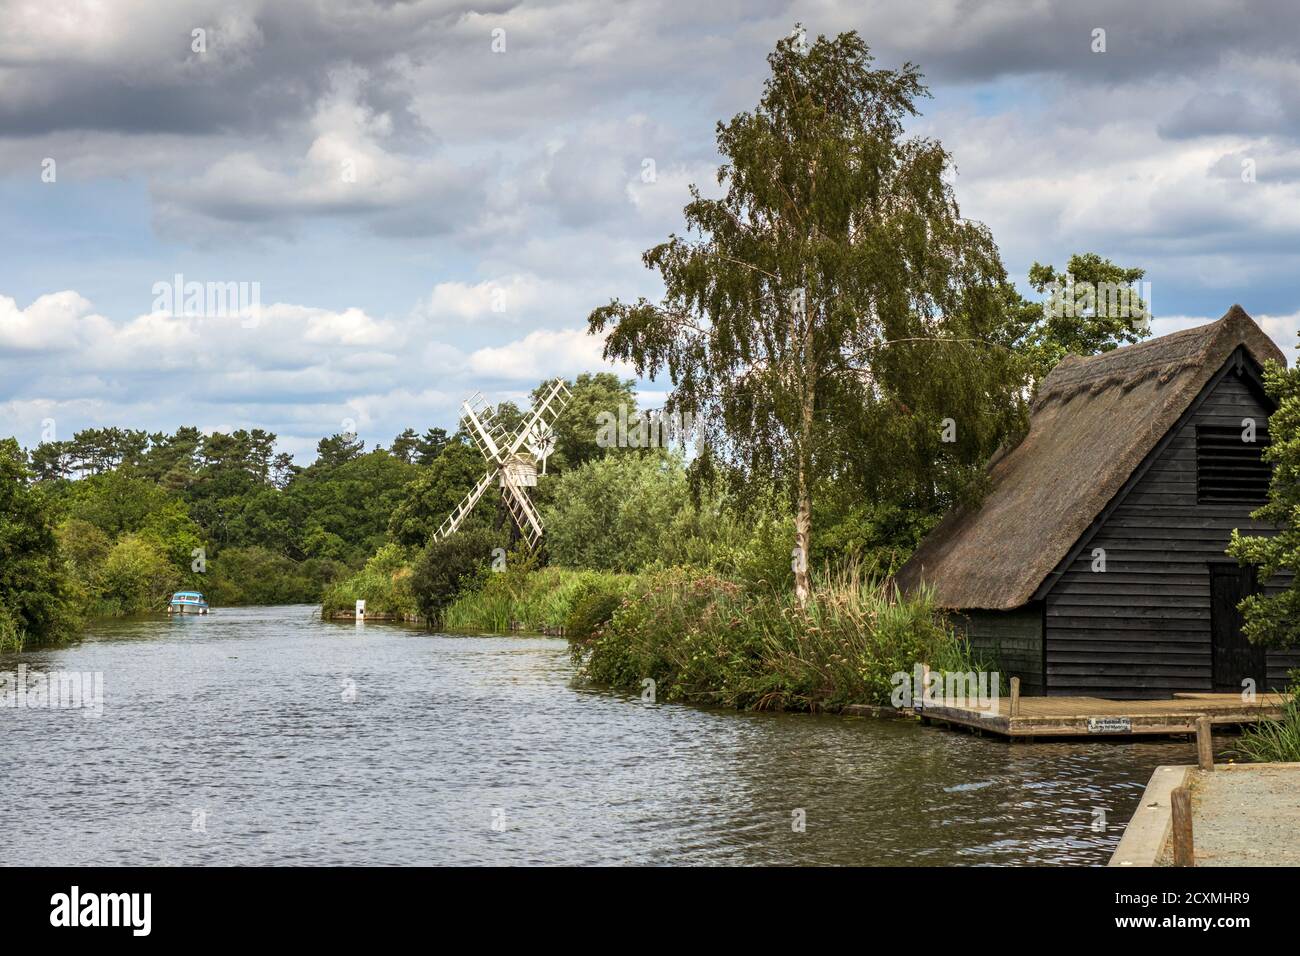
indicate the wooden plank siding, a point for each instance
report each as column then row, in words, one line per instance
column 1009, row 641
column 1142, row 628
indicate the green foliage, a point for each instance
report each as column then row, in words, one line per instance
column 427, row 500
column 136, row 577
column 706, row 640
column 261, row 576
column 1094, row 314
column 13, row 634
column 115, row 502
column 593, row 603
column 385, row 584
column 36, row 591
column 448, row 566
column 1274, row 620
column 522, row 597
column 616, row 513
column 836, row 307
column 575, row 428
column 1275, row 741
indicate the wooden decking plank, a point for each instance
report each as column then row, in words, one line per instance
column 1070, row 716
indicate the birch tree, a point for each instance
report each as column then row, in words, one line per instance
column 832, row 272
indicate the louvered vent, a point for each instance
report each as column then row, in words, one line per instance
column 1229, row 469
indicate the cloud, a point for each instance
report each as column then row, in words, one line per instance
column 56, row 323
column 299, row 370
column 543, row 354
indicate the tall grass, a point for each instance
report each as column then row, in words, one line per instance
column 1275, row 741
column 384, row 584
column 12, row 633
column 704, row 639
column 530, row 599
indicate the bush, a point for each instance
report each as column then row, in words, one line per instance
column 449, row 566
column 532, row 599
column 136, row 577
column 615, row 513
column 385, row 584
column 1275, row 741
column 12, row 633
column 708, row 640
column 594, row 603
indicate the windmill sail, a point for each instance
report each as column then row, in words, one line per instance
column 466, row 505
column 513, row 469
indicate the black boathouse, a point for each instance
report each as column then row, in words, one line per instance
column 1095, row 565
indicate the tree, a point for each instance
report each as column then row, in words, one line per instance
column 136, row 577
column 837, row 241
column 405, row 446
column 52, row 461
column 430, row 446
column 617, row 512
column 430, row 498
column 335, row 450
column 575, row 427
column 1274, row 620
column 35, row 590
column 1091, row 308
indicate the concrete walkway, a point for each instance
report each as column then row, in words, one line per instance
column 1242, row 815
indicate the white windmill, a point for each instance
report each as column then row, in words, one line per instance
column 512, row 459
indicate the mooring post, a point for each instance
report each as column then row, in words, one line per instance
column 1204, row 744
column 1180, row 803
column 1015, row 697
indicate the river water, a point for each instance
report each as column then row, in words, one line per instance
column 267, row 736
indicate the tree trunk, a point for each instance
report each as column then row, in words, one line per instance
column 803, row 516
column 802, row 538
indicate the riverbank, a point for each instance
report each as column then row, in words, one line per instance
column 707, row 640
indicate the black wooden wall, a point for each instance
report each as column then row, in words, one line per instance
column 1010, row 642
column 1142, row 628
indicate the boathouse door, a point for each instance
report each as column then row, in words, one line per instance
column 1234, row 657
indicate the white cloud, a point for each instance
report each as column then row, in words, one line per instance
column 59, row 322
column 300, row 371
column 544, row 354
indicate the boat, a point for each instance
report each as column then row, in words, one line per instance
column 187, row 602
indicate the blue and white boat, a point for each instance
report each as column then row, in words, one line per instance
column 187, row 602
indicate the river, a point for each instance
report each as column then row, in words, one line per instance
column 266, row 736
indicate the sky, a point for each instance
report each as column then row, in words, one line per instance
column 420, row 200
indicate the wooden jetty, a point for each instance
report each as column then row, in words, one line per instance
column 1029, row 718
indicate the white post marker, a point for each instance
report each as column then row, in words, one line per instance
column 361, row 610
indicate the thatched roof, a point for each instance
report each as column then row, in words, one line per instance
column 1093, row 422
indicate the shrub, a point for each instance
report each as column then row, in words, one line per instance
column 1275, row 741
column 12, row 633
column 385, row 584
column 449, row 566
column 533, row 599
column 136, row 577
column 708, row 640
column 594, row 602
